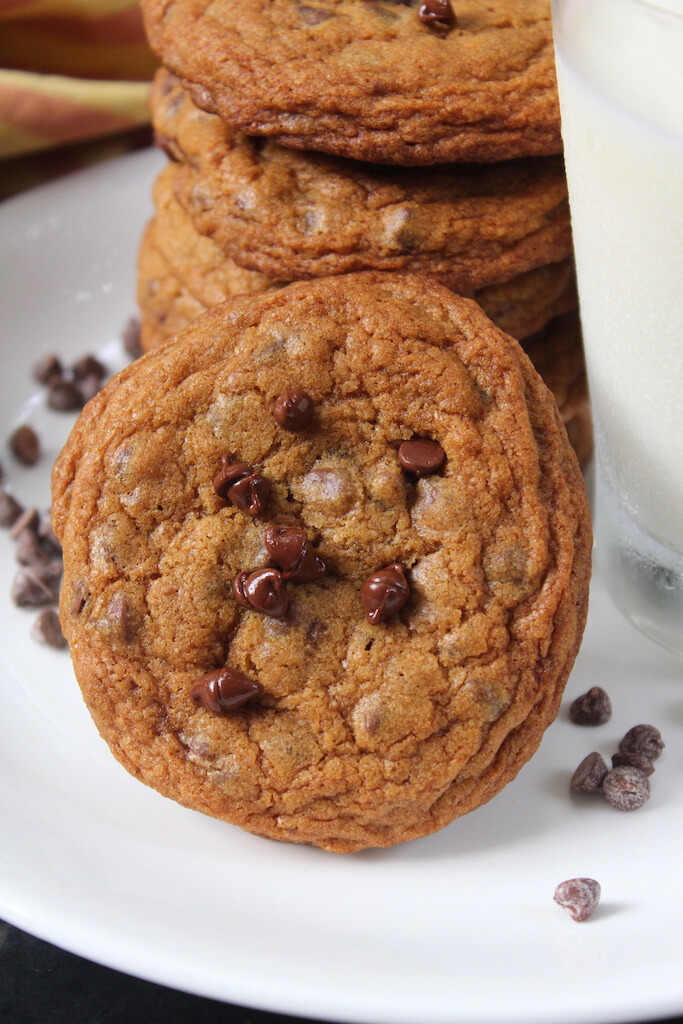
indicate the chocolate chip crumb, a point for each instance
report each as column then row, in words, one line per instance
column 224, row 690
column 421, row 456
column 10, row 509
column 632, row 759
column 385, row 593
column 580, row 896
column 294, row 410
column 437, row 14
column 591, row 708
column 588, row 777
column 25, row 445
column 47, row 630
column 643, row 739
column 626, row 788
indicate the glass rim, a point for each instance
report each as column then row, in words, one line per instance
column 648, row 5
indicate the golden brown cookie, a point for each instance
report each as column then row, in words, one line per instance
column 394, row 662
column 370, row 80
column 294, row 215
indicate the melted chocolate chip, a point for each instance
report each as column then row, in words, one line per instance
column 224, row 690
column 385, row 593
column 294, row 409
column 294, row 553
column 232, row 470
column 421, row 456
column 251, row 494
column 437, row 13
column 263, row 591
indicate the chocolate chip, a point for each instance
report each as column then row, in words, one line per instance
column 25, row 445
column 232, row 470
column 626, row 788
column 313, row 15
column 632, row 759
column 89, row 387
column 10, row 509
column 294, row 409
column 88, row 366
column 294, row 553
column 580, row 896
column 131, row 338
column 224, row 690
column 47, row 368
column 437, row 13
column 643, row 739
column 421, row 456
column 79, row 599
column 64, row 396
column 591, row 708
column 47, row 534
column 263, row 590
column 251, row 494
column 30, row 551
column 28, row 520
column 385, row 593
column 47, row 629
column 589, row 776
column 35, row 586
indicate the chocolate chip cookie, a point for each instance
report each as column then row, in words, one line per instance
column 326, row 561
column 294, row 215
column 377, row 81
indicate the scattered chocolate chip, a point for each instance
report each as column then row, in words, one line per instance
column 421, row 456
column 294, row 409
column 47, row 534
column 626, row 788
column 294, row 553
column 64, row 396
column 224, row 690
column 437, row 13
column 35, row 586
column 263, row 590
column 643, row 739
column 47, row 368
column 588, row 777
column 232, row 470
column 89, row 387
column 131, row 338
column 580, row 896
column 591, row 708
column 10, row 509
column 251, row 494
column 30, row 551
column 632, row 759
column 25, row 445
column 87, row 366
column 47, row 630
column 385, row 593
column 28, row 520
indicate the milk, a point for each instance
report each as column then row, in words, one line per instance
column 620, row 77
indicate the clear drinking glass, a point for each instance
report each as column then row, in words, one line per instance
column 620, row 78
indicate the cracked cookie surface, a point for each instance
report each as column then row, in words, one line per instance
column 361, row 735
column 370, row 80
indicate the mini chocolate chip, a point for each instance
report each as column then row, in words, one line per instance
column 86, row 366
column 131, row 338
column 437, row 13
column 35, row 586
column 632, row 759
column 421, row 456
column 47, row 368
column 294, row 409
column 89, row 387
column 47, row 629
column 580, row 896
column 385, row 593
column 263, row 590
column 224, row 690
column 591, row 708
column 30, row 551
column 10, row 509
column 64, row 396
column 232, row 470
column 643, row 739
column 294, row 553
column 588, row 777
column 626, row 788
column 251, row 494
column 28, row 520
column 25, row 445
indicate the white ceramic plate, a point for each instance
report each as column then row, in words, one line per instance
column 458, row 928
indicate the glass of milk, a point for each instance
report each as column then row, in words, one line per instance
column 620, row 77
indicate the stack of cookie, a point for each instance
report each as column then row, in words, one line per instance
column 315, row 139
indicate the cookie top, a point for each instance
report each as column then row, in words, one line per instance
column 294, row 215
column 370, row 80
column 362, row 732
